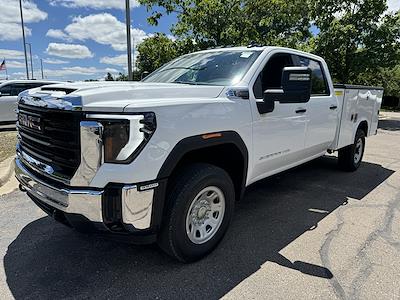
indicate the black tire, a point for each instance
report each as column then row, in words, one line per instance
column 347, row 156
column 190, row 181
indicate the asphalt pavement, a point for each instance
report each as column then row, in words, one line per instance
column 314, row 232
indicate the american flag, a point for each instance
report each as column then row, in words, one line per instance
column 3, row 65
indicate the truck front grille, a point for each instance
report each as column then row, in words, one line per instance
column 51, row 136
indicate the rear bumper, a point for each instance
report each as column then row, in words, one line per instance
column 123, row 210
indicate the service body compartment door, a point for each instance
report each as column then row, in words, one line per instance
column 357, row 104
column 378, row 95
column 348, row 100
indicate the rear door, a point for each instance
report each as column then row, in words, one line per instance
column 278, row 136
column 322, row 109
column 8, row 102
column 8, row 99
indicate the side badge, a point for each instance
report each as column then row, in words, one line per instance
column 148, row 187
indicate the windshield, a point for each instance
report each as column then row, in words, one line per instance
column 209, row 68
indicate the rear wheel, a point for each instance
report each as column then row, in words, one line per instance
column 200, row 207
column 350, row 157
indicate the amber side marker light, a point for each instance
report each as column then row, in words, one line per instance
column 211, row 136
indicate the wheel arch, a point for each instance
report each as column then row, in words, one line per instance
column 364, row 126
column 223, row 149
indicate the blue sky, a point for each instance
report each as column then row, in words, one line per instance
column 77, row 39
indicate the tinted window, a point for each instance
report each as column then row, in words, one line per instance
column 35, row 85
column 5, row 90
column 271, row 76
column 18, row 88
column 319, row 85
column 211, row 68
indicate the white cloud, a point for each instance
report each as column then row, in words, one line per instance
column 10, row 18
column 96, row 4
column 102, row 28
column 119, row 60
column 11, row 54
column 171, row 37
column 394, row 5
column 15, row 64
column 57, row 34
column 12, row 31
column 69, row 50
column 52, row 61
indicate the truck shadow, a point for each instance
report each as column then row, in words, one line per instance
column 49, row 261
column 390, row 124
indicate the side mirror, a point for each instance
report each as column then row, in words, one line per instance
column 268, row 104
column 296, row 84
column 144, row 75
column 296, row 88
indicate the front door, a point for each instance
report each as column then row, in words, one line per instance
column 278, row 136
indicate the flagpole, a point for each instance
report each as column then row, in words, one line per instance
column 30, row 56
column 41, row 67
column 23, row 37
column 128, row 39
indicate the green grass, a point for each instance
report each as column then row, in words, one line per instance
column 8, row 140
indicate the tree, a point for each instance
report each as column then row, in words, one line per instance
column 156, row 51
column 235, row 22
column 389, row 78
column 121, row 77
column 356, row 37
column 278, row 22
column 109, row 77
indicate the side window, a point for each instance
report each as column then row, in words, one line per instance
column 319, row 84
column 18, row 88
column 271, row 76
column 35, row 85
column 6, row 90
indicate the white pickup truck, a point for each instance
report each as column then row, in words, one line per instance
column 165, row 159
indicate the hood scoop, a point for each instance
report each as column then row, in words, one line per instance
column 58, row 89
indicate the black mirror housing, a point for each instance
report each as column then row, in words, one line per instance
column 268, row 104
column 296, row 84
column 296, row 88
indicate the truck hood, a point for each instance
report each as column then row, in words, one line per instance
column 115, row 96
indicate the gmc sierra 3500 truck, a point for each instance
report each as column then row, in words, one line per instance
column 165, row 159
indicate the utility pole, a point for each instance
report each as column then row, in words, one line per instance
column 41, row 67
column 23, row 37
column 30, row 55
column 128, row 39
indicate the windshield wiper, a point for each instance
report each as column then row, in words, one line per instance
column 185, row 82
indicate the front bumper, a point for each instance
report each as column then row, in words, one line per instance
column 128, row 209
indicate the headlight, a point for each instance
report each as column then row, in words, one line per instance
column 124, row 136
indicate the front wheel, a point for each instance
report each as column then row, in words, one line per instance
column 350, row 157
column 200, row 207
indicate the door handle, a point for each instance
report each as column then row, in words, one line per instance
column 333, row 107
column 301, row 111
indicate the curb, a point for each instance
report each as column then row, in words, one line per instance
column 6, row 170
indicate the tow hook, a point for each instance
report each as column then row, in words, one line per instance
column 21, row 188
